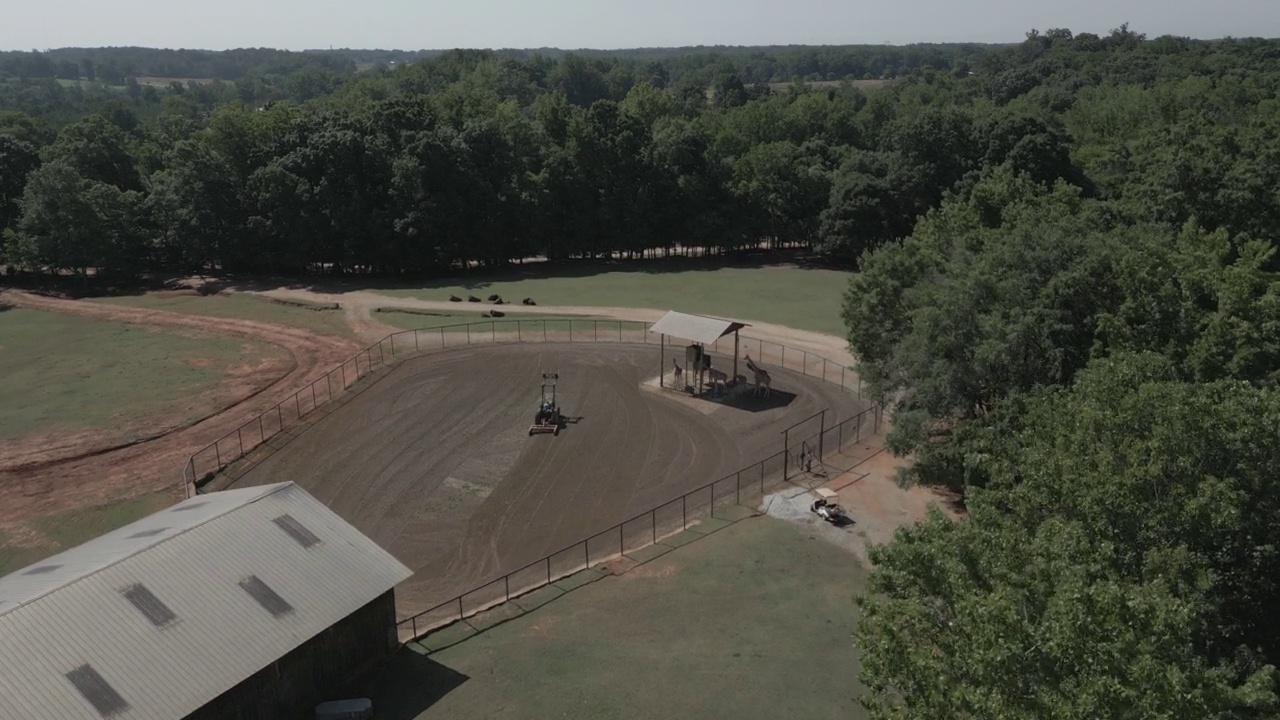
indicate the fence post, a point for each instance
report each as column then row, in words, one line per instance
column 298, row 402
column 544, row 330
column 653, row 517
column 507, row 579
column 548, row 569
column 393, row 344
column 619, row 331
column 784, row 357
column 822, row 433
column 570, row 329
column 804, row 369
column 519, row 333
column 786, row 452
column 468, row 333
column 262, row 433
column 344, row 378
column 415, row 340
column 684, row 512
column 441, row 337
column 327, row 384
column 280, row 416
column 240, row 437
column 460, row 607
column 595, row 330
column 382, row 357
column 217, row 453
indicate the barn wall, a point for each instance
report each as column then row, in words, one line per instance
column 291, row 686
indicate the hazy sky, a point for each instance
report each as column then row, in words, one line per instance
column 433, row 24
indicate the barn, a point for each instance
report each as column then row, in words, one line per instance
column 249, row 604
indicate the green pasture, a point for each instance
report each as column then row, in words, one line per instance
column 65, row 373
column 320, row 320
column 752, row 622
column 422, row 320
column 66, row 530
column 808, row 299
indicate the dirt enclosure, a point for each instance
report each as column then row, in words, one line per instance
column 434, row 461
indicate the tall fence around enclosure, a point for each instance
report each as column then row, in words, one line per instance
column 204, row 464
column 732, row 497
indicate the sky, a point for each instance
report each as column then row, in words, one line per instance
column 603, row 24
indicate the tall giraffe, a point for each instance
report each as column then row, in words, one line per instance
column 763, row 381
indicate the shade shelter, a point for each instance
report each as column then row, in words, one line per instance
column 701, row 330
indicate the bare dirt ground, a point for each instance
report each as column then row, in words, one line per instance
column 434, row 461
column 84, row 472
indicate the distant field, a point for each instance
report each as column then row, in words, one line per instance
column 751, row 622
column 164, row 81
column 60, row 373
column 870, row 84
column 796, row 297
column 417, row 320
column 246, row 307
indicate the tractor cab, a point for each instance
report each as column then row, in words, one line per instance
column 548, row 418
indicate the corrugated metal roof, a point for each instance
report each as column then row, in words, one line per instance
column 698, row 328
column 58, row 621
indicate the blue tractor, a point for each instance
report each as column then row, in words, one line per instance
column 548, row 418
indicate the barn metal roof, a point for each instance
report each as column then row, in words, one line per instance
column 155, row 619
column 698, row 328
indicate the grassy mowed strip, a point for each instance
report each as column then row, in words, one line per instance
column 425, row 319
column 807, row 299
column 752, row 621
column 61, row 373
column 323, row 321
column 69, row 529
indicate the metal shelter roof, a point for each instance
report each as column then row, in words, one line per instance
column 698, row 328
column 155, row 619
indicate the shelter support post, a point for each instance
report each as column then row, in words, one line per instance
column 735, row 355
column 662, row 361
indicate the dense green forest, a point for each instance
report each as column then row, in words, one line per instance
column 1067, row 292
column 1084, row 341
column 471, row 157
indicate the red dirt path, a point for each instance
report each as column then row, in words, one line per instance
column 85, row 473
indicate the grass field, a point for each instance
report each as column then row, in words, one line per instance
column 66, row 530
column 63, row 373
column 807, row 299
column 752, row 621
column 246, row 307
column 420, row 320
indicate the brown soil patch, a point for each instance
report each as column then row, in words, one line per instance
column 433, row 461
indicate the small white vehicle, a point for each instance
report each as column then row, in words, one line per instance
column 828, row 508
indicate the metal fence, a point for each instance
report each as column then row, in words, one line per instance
column 725, row 498
column 204, row 464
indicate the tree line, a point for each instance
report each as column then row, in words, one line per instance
column 1092, row 364
column 469, row 157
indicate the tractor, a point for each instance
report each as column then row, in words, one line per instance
column 548, row 418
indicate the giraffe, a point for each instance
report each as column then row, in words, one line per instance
column 677, row 375
column 763, row 381
column 718, row 379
